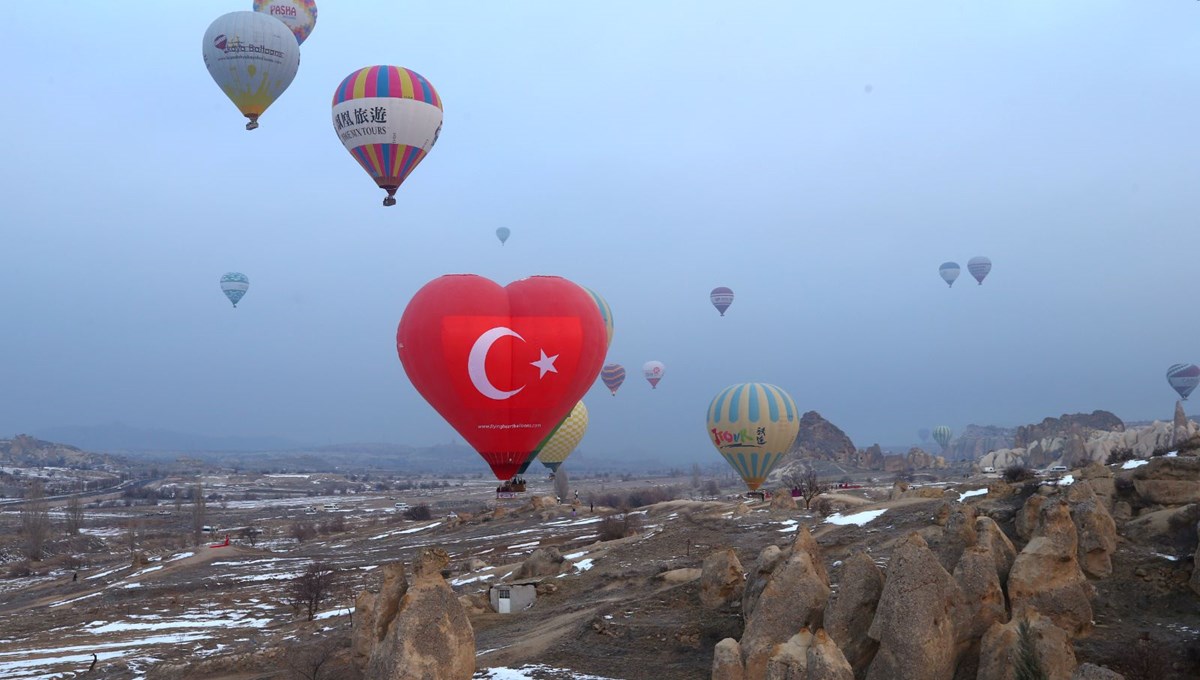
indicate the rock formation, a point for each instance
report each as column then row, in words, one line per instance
column 849, row 613
column 768, row 559
column 819, row 439
column 721, row 580
column 373, row 613
column 546, row 561
column 727, row 661
column 989, row 535
column 1074, row 423
column 1095, row 528
column 1046, row 576
column 1169, row 481
column 1000, row 649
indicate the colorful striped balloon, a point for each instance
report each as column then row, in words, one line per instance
column 388, row 118
column 565, row 439
column 753, row 425
column 613, row 375
column 605, row 312
column 1183, row 378
column 721, row 297
column 979, row 267
column 942, row 435
column 949, row 272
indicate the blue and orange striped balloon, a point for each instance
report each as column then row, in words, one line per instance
column 613, row 375
column 389, row 118
column 753, row 425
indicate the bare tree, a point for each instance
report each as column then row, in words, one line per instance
column 178, row 497
column 35, row 522
column 312, row 660
column 695, row 475
column 198, row 513
column 249, row 534
column 312, row 586
column 562, row 486
column 810, row 487
column 74, row 515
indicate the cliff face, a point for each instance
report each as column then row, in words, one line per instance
column 1082, row 424
column 820, row 439
column 977, row 440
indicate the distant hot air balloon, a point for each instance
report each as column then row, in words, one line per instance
column 253, row 58
column 300, row 16
column 753, row 425
column 504, row 365
column 923, row 433
column 234, row 285
column 503, row 233
column 605, row 313
column 941, row 435
column 949, row 272
column 653, row 370
column 564, row 440
column 613, row 375
column 721, row 298
column 1183, row 378
column 979, row 267
column 388, row 118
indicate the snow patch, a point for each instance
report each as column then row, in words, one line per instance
column 857, row 519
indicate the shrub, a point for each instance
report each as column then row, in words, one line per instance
column 418, row 512
column 19, row 569
column 1182, row 527
column 302, row 531
column 619, row 526
column 1018, row 472
column 1119, row 456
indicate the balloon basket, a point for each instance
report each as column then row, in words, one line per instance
column 759, row 495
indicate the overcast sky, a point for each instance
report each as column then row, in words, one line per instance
column 819, row 158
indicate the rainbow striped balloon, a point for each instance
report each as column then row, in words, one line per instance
column 753, row 425
column 389, row 118
column 613, row 375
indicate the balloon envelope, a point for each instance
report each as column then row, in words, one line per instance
column 753, row 425
column 979, row 268
column 1183, row 378
column 949, row 272
column 565, row 438
column 605, row 313
column 253, row 58
column 923, row 433
column 613, row 375
column 721, row 298
column 503, row 233
column 941, row 435
column 300, row 16
column 503, row 365
column 234, row 285
column 653, row 370
column 388, row 118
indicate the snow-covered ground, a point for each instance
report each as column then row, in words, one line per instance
column 858, row 518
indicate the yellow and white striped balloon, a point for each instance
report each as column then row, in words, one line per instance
column 753, row 425
column 565, row 438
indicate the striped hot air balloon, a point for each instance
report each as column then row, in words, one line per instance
column 753, row 425
column 613, row 375
column 1183, row 378
column 979, row 268
column 949, row 272
column 605, row 312
column 942, row 435
column 721, row 298
column 564, row 440
column 234, row 285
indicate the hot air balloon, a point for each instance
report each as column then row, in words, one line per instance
column 979, row 268
column 721, row 298
column 949, row 272
column 564, row 440
column 941, row 435
column 923, row 433
column 253, row 58
column 300, row 16
column 1183, row 378
column 605, row 313
column 653, row 370
column 753, row 425
column 503, row 233
column 504, row 365
column 613, row 375
column 388, row 118
column 234, row 285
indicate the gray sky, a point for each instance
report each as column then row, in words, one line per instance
column 649, row 150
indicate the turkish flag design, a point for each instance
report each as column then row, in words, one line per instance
column 502, row 365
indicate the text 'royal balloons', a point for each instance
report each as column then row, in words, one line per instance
column 504, row 365
column 564, row 440
column 654, row 371
column 721, row 298
column 605, row 313
column 234, row 285
column 949, row 272
column 300, row 16
column 388, row 118
column 613, row 375
column 503, row 233
column 253, row 58
column 753, row 425
column 979, row 268
column 1183, row 378
column 942, row 435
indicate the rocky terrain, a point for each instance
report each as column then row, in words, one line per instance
column 1092, row 570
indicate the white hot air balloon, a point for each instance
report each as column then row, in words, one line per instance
column 253, row 58
column 653, row 370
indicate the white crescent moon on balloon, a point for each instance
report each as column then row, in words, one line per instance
column 477, row 360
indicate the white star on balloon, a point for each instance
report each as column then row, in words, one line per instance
column 544, row 364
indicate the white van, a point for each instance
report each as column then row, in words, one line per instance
column 1059, row 468
column 401, row 507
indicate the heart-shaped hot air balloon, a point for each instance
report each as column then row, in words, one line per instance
column 504, row 365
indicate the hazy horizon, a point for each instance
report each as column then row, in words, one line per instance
column 822, row 161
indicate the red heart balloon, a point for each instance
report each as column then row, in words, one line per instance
column 502, row 365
